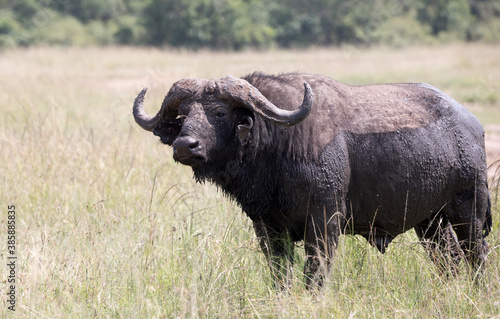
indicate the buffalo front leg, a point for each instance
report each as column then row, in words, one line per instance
column 278, row 249
column 320, row 242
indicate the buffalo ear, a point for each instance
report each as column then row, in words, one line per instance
column 244, row 127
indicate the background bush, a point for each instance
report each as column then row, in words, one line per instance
column 239, row 24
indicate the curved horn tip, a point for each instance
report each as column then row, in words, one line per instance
column 308, row 95
column 140, row 97
column 302, row 111
column 140, row 116
column 307, row 87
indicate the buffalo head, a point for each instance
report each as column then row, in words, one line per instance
column 198, row 117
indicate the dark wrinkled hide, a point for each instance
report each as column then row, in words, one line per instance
column 370, row 160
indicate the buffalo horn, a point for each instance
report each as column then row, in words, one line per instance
column 145, row 121
column 169, row 108
column 243, row 92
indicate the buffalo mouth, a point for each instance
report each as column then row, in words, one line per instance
column 192, row 161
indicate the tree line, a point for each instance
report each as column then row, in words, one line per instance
column 239, row 24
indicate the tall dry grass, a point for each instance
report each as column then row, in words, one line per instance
column 108, row 226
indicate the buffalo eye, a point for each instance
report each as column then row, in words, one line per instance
column 220, row 114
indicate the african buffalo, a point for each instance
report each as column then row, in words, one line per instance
column 309, row 158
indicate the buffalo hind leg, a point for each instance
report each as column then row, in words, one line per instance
column 470, row 215
column 438, row 239
column 278, row 247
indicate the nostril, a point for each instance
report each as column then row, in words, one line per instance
column 188, row 150
column 186, row 146
column 194, row 145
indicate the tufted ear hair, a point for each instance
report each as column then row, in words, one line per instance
column 243, row 128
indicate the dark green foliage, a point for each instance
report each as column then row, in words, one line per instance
column 87, row 10
column 127, row 31
column 222, row 24
column 445, row 16
column 238, row 24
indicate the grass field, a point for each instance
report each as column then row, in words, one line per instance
column 108, row 226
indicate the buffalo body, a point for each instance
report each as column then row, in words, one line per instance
column 309, row 158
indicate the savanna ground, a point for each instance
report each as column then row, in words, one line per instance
column 107, row 225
